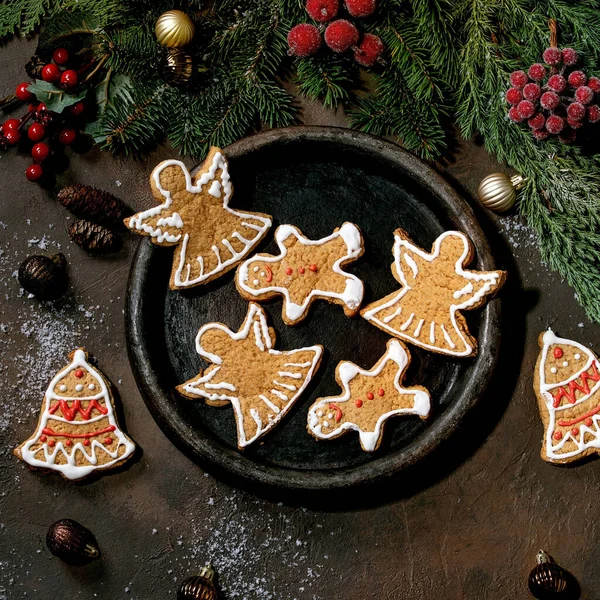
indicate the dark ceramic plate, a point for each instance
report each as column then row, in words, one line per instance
column 315, row 178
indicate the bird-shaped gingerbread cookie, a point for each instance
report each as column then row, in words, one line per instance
column 435, row 288
column 261, row 383
column 195, row 214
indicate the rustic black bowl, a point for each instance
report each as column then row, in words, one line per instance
column 315, row 178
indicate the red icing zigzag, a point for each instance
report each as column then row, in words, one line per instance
column 69, row 412
column 573, row 385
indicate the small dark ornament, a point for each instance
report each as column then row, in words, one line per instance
column 177, row 67
column 72, row 542
column 34, row 67
column 44, row 276
column 199, row 587
column 548, row 581
column 43, row 117
column 94, row 238
column 87, row 202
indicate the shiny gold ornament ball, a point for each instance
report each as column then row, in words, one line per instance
column 547, row 580
column 199, row 587
column 174, row 29
column 497, row 191
column 177, row 67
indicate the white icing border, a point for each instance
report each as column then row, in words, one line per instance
column 347, row 371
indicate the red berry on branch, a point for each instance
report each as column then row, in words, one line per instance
column 552, row 56
column 577, row 79
column 518, row 79
column 67, row 136
column 574, row 123
column 526, row 109
column 341, row 35
column 22, row 93
column 34, row 172
column 68, row 80
column 576, row 111
column 569, row 56
column 537, row 72
column 303, row 40
column 568, row 136
column 537, row 121
column 514, row 96
column 42, row 106
column 584, row 94
column 532, row 91
column 40, row 152
column 322, row 10
column 593, row 113
column 11, row 124
column 51, row 73
column 514, row 116
column 549, row 100
column 77, row 109
column 540, row 134
column 36, row 132
column 12, row 136
column 360, row 8
column 60, row 56
column 557, row 83
column 370, row 49
column 594, row 84
column 555, row 124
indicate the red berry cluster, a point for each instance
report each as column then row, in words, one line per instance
column 45, row 126
column 340, row 35
column 555, row 98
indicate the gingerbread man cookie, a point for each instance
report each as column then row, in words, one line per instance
column 78, row 432
column 304, row 271
column 369, row 399
column 261, row 383
column 567, row 386
column 195, row 214
column 435, row 288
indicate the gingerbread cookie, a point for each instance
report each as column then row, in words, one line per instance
column 78, row 431
column 435, row 288
column 369, row 399
column 261, row 384
column 195, row 215
column 304, row 271
column 567, row 386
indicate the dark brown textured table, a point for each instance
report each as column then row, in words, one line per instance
column 464, row 524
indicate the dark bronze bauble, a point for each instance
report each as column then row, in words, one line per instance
column 177, row 67
column 44, row 276
column 199, row 587
column 548, row 581
column 72, row 542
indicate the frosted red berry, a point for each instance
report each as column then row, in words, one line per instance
column 526, row 109
column 532, row 91
column 514, row 116
column 584, row 94
column 537, row 72
column 303, row 40
column 369, row 50
column 540, row 134
column 36, row 132
column 577, row 79
column 69, row 79
column 569, row 56
column 594, row 84
column 12, row 136
column 574, row 123
column 60, row 56
column 549, row 100
column 555, row 124
column 51, row 73
column 552, row 56
column 360, row 8
column 593, row 113
column 537, row 121
column 67, row 136
column 514, row 96
column 518, row 79
column 77, row 109
column 22, row 93
column 10, row 124
column 557, row 83
column 576, row 111
column 40, row 152
column 34, row 172
column 341, row 35
column 322, row 10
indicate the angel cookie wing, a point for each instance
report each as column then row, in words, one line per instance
column 195, row 215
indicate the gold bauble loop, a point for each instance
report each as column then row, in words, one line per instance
column 174, row 29
column 497, row 191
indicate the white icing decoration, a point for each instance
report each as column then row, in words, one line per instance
column 272, row 406
column 304, row 364
column 468, row 289
column 392, row 316
column 288, row 374
column 410, row 261
column 406, row 325
column 91, row 386
column 63, row 388
column 553, row 370
column 287, row 386
column 279, row 394
column 262, row 273
column 346, row 372
column 255, row 282
column 577, row 356
column 565, row 364
column 255, row 269
column 490, row 279
column 351, row 296
column 71, row 470
column 215, row 189
column 78, row 387
column 447, row 338
column 330, row 416
column 325, row 424
column 418, row 328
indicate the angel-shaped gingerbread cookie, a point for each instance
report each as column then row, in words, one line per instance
column 261, row 383
column 195, row 214
column 305, row 270
column 435, row 288
column 369, row 399
column 567, row 386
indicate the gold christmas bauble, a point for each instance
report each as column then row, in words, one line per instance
column 199, row 587
column 177, row 67
column 174, row 29
column 497, row 191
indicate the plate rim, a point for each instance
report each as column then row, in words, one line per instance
column 231, row 463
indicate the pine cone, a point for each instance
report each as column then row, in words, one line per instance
column 96, row 205
column 34, row 67
column 94, row 238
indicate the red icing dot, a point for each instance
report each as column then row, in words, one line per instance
column 108, row 441
column 589, row 422
column 289, row 271
column 557, row 435
column 68, row 443
column 370, row 395
column 380, row 392
column 86, row 442
column 575, row 431
column 301, row 270
column 43, row 438
column 51, row 443
column 313, row 268
column 358, row 403
column 78, row 373
column 558, row 353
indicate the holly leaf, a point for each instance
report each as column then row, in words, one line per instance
column 55, row 99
